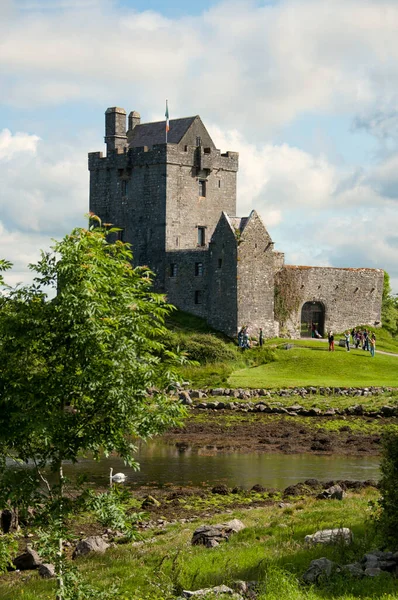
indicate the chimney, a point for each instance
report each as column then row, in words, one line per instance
column 115, row 129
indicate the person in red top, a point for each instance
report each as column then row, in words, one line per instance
column 331, row 341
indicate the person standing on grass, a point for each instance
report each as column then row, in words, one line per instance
column 261, row 337
column 365, row 338
column 347, row 340
column 357, row 339
column 372, row 345
column 331, row 341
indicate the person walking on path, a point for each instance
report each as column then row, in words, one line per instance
column 372, row 343
column 261, row 337
column 331, row 341
column 347, row 340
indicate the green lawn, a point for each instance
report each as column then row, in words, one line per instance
column 270, row 550
column 318, row 367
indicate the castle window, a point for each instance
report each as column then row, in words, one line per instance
column 219, row 183
column 120, row 235
column 198, row 269
column 125, row 186
column 201, row 236
column 219, row 263
column 173, row 269
column 202, row 188
column 198, row 297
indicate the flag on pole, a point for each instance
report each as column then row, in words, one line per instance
column 166, row 114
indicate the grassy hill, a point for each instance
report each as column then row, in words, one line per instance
column 221, row 362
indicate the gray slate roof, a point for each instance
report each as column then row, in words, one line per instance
column 148, row 134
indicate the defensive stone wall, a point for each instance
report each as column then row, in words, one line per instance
column 349, row 297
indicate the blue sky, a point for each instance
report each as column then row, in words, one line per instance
column 305, row 90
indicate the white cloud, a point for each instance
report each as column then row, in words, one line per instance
column 43, row 195
column 255, row 66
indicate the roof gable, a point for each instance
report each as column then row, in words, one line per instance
column 149, row 134
column 184, row 131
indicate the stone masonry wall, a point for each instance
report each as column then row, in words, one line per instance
column 256, row 268
column 186, row 209
column 350, row 296
column 184, row 279
column 129, row 190
column 222, row 274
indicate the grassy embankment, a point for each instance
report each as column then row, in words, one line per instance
column 308, row 364
column 270, row 550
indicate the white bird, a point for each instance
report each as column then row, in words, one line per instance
column 117, row 478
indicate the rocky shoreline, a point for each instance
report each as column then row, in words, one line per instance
column 241, row 400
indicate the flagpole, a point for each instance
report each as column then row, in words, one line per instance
column 166, row 114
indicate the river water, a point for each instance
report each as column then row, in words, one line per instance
column 162, row 464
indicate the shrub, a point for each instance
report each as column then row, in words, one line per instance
column 388, row 516
column 203, row 347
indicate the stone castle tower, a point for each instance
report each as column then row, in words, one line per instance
column 175, row 203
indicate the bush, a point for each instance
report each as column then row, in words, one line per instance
column 203, row 347
column 388, row 516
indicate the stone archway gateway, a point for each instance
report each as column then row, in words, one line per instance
column 312, row 316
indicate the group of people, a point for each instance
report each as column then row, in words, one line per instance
column 365, row 339
column 244, row 339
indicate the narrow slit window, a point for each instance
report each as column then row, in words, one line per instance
column 173, row 270
column 219, row 263
column 202, row 188
column 198, row 296
column 219, row 183
column 198, row 269
column 201, row 236
column 125, row 187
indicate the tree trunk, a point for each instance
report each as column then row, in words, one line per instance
column 60, row 575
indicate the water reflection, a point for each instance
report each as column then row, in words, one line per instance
column 162, row 464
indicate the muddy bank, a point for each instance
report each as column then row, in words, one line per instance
column 267, row 433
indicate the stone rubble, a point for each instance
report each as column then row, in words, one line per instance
column 372, row 564
column 234, row 395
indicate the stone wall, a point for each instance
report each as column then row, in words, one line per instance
column 223, row 290
column 350, row 297
column 256, row 268
column 186, row 284
column 186, row 208
column 128, row 189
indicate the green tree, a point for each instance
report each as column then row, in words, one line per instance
column 83, row 366
column 389, row 308
column 387, row 519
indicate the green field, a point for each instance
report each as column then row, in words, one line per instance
column 270, row 550
column 316, row 366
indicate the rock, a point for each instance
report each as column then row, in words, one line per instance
column 248, row 589
column 28, row 560
column 372, row 572
column 318, row 569
column 206, row 535
column 46, row 570
column 330, row 536
column 9, row 520
column 185, row 398
column 197, row 394
column 217, row 392
column 94, row 543
column 257, row 488
column 219, row 590
column 150, row 501
column 335, row 492
column 220, row 489
column 354, row 569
